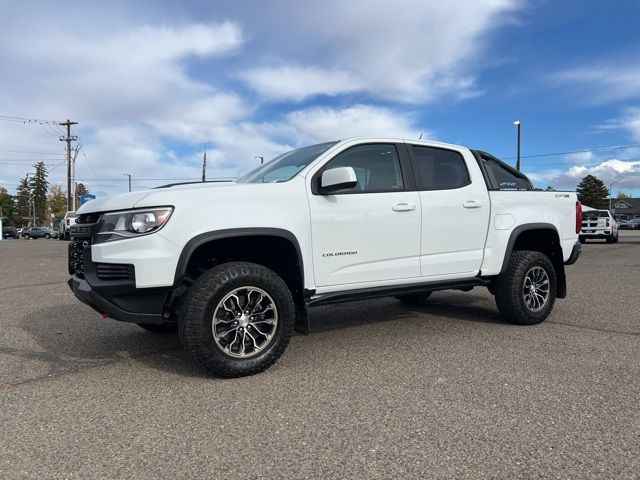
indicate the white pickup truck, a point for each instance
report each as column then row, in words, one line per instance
column 234, row 266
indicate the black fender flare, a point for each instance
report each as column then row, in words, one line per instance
column 561, row 289
column 206, row 237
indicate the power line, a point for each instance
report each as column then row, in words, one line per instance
column 600, row 149
column 7, row 118
column 34, row 153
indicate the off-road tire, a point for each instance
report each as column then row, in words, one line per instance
column 509, row 287
column 161, row 328
column 413, row 299
column 194, row 324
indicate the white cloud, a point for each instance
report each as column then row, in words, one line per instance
column 608, row 171
column 411, row 51
column 602, row 82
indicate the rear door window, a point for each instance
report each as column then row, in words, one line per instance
column 504, row 179
column 440, row 169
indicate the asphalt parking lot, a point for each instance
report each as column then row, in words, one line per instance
column 377, row 391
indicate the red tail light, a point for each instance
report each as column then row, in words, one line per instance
column 578, row 217
column 607, row 223
column 67, row 222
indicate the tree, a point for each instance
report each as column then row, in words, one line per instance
column 592, row 192
column 39, row 189
column 80, row 190
column 623, row 196
column 57, row 201
column 7, row 209
column 23, row 201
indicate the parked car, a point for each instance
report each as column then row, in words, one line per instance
column 633, row 224
column 36, row 232
column 320, row 225
column 54, row 233
column 598, row 224
column 9, row 232
column 65, row 224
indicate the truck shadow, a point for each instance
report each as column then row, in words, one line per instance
column 70, row 338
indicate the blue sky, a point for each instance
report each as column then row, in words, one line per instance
column 151, row 82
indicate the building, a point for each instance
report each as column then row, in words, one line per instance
column 625, row 208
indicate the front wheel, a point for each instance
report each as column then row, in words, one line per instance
column 526, row 292
column 26, row 237
column 47, row 236
column 237, row 319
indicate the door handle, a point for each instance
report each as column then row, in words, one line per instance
column 471, row 204
column 403, row 207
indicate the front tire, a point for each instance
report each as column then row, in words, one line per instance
column 237, row 319
column 526, row 291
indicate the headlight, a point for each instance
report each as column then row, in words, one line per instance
column 131, row 223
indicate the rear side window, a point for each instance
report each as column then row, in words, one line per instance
column 502, row 178
column 440, row 169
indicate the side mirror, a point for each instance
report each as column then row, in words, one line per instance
column 339, row 178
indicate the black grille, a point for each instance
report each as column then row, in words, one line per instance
column 77, row 249
column 88, row 218
column 115, row 271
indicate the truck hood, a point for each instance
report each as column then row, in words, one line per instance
column 134, row 199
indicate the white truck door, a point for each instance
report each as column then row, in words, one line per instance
column 455, row 211
column 370, row 232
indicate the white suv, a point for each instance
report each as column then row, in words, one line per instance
column 235, row 266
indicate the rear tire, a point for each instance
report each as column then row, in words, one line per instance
column 615, row 239
column 47, row 236
column 526, row 291
column 609, row 239
column 219, row 301
column 582, row 239
column 26, row 237
column 413, row 299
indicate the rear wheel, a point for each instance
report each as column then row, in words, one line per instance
column 27, row 236
column 237, row 319
column 582, row 239
column 526, row 291
column 47, row 236
column 413, row 299
column 609, row 239
column 615, row 239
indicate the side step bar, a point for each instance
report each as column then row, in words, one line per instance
column 377, row 292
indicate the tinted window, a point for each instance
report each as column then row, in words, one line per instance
column 593, row 214
column 440, row 169
column 503, row 179
column 377, row 167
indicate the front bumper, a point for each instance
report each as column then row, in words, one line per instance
column 575, row 254
column 121, row 302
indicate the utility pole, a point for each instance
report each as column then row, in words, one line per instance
column 74, row 183
column 517, row 124
column 69, row 138
column 204, row 164
column 128, row 175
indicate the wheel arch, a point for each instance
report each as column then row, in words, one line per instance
column 229, row 243
column 543, row 238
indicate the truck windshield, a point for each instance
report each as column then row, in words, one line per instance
column 593, row 214
column 284, row 167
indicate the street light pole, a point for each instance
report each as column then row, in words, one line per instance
column 517, row 124
column 128, row 175
column 611, row 185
